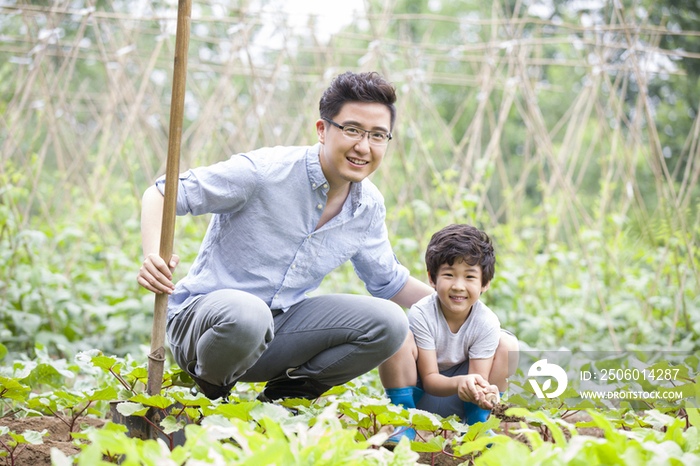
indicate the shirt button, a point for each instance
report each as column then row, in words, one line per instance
column 319, row 206
column 294, row 266
column 277, row 296
column 308, row 237
column 325, row 185
column 313, row 185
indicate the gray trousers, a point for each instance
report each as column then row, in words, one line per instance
column 233, row 335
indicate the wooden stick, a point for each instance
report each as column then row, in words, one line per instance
column 493, row 398
column 172, row 171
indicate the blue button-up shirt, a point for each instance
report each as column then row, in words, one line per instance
column 262, row 237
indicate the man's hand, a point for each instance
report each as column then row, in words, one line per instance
column 473, row 388
column 155, row 275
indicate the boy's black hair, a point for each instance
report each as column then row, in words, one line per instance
column 464, row 242
column 367, row 87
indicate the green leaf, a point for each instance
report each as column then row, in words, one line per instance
column 30, row 436
column 583, row 405
column 482, row 443
column 127, row 408
column 480, row 429
column 48, row 375
column 455, row 424
column 105, row 394
column 12, row 389
column 157, row 401
column 103, row 362
column 59, row 459
column 375, row 409
column 42, row 403
column 658, row 419
column 693, row 416
column 434, row 445
column 678, row 371
column 268, row 410
column 67, row 400
column 193, row 413
column 336, row 390
column 424, row 420
column 3, row 351
column 188, row 400
column 170, row 425
column 403, row 454
column 239, row 411
column 391, row 418
column 138, row 373
column 272, row 429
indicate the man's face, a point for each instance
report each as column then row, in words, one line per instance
column 346, row 160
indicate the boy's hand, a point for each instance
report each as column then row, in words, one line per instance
column 491, row 397
column 155, row 275
column 473, row 388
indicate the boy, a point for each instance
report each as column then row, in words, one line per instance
column 455, row 335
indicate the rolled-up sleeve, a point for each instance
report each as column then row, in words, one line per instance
column 224, row 187
column 375, row 262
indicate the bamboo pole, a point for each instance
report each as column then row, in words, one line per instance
column 172, row 171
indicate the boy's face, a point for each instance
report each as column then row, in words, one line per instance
column 458, row 287
column 346, row 160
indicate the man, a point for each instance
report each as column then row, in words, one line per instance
column 284, row 218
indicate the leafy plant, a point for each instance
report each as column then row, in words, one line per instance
column 17, row 443
column 69, row 406
column 12, row 392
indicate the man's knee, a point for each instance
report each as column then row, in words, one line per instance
column 391, row 323
column 235, row 328
column 240, row 314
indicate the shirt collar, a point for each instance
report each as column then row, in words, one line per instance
column 313, row 166
column 318, row 180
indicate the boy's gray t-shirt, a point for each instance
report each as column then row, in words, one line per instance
column 477, row 338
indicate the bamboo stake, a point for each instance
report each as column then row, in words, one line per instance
column 177, row 106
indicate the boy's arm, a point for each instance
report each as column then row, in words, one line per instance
column 471, row 387
column 482, row 367
column 439, row 385
column 154, row 274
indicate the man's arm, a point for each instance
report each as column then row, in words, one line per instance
column 413, row 291
column 154, row 274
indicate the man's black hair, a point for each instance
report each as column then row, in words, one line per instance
column 368, row 87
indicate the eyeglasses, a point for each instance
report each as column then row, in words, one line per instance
column 377, row 138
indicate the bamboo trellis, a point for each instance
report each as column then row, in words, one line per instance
column 84, row 102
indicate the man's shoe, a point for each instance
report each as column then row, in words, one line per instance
column 209, row 390
column 286, row 387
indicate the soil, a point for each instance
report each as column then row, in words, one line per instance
column 58, row 437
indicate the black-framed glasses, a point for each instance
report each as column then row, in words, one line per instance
column 377, row 138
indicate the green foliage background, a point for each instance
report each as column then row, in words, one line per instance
column 535, row 121
column 568, row 130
